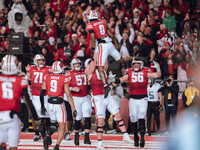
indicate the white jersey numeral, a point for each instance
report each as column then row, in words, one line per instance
column 53, row 85
column 7, row 90
column 81, row 79
column 38, row 77
column 102, row 29
column 137, row 77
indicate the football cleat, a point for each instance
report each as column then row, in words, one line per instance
column 37, row 137
column 46, row 142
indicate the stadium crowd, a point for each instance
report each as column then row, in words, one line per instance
column 163, row 33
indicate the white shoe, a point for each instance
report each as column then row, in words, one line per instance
column 166, row 133
column 37, row 138
column 126, row 138
column 100, row 147
column 68, row 137
column 110, row 131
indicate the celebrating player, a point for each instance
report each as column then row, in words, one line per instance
column 99, row 36
column 12, row 88
column 137, row 78
column 79, row 90
column 101, row 103
column 55, row 85
column 35, row 78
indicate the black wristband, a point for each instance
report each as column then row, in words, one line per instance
column 93, row 48
column 117, row 81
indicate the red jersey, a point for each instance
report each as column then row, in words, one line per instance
column 137, row 81
column 99, row 27
column 78, row 79
column 37, row 78
column 11, row 91
column 55, row 84
column 97, row 84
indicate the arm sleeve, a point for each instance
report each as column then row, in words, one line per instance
column 42, row 93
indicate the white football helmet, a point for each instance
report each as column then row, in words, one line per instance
column 10, row 65
column 38, row 57
column 92, row 15
column 76, row 61
column 87, row 62
column 57, row 67
column 137, row 62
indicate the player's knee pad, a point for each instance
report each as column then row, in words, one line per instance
column 122, row 122
column 87, row 123
column 77, row 124
column 98, row 129
column 53, row 128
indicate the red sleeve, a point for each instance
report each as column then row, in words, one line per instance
column 24, row 83
column 66, row 80
column 89, row 27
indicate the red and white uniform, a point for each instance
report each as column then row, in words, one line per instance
column 99, row 27
column 37, row 79
column 10, row 93
column 81, row 99
column 138, row 83
column 55, row 87
column 100, row 102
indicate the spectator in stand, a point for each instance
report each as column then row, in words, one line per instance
column 190, row 93
column 179, row 17
column 166, row 61
column 80, row 54
column 52, row 45
column 75, row 46
column 150, row 38
column 38, row 47
column 180, row 61
column 184, row 8
column 170, row 92
column 169, row 21
column 144, row 50
column 136, row 19
column 60, row 55
column 192, row 41
column 187, row 26
column 68, row 46
column 163, row 8
column 48, row 56
column 125, row 41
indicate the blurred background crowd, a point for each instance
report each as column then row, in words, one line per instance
column 163, row 30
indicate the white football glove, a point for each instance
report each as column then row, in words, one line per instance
column 156, row 66
column 111, row 77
